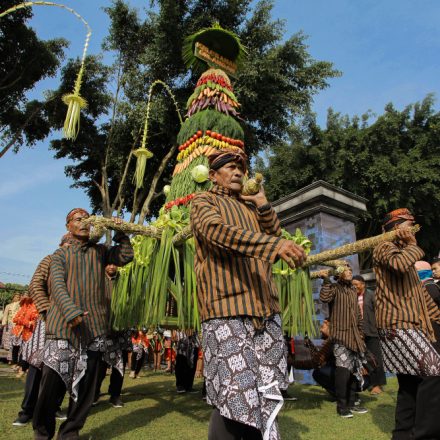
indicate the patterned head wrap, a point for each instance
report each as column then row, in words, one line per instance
column 221, row 158
column 75, row 211
column 396, row 217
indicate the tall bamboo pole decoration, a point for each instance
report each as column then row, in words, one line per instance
column 74, row 100
column 143, row 154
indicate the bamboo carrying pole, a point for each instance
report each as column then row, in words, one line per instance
column 324, row 272
column 354, row 248
column 334, row 263
column 326, row 258
column 128, row 228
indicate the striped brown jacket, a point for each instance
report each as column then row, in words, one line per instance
column 345, row 314
column 38, row 288
column 236, row 245
column 401, row 300
column 77, row 284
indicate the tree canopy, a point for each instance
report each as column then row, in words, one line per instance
column 8, row 290
column 392, row 161
column 24, row 61
column 277, row 83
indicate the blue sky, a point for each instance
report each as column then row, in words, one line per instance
column 388, row 51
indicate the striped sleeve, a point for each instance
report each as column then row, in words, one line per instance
column 58, row 288
column 268, row 220
column 122, row 253
column 209, row 224
column 398, row 260
column 328, row 291
column 323, row 355
column 38, row 288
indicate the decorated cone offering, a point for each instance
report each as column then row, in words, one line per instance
column 162, row 275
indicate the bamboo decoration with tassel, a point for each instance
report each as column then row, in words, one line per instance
column 143, row 154
column 74, row 100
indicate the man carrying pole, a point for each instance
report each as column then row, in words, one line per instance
column 237, row 238
column 77, row 322
column 404, row 311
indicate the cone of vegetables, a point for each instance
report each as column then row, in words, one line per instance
column 163, row 269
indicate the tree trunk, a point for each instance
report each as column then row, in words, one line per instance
column 146, row 206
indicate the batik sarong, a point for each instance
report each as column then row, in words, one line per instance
column 32, row 351
column 186, row 346
column 139, row 350
column 244, row 369
column 10, row 340
column 349, row 359
column 71, row 363
column 409, row 351
column 111, row 352
column 6, row 337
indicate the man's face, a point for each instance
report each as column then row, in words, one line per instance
column 79, row 231
column 360, row 286
column 325, row 329
column 111, row 269
column 347, row 275
column 16, row 298
column 436, row 270
column 229, row 176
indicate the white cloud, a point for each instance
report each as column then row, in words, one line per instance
column 19, row 181
column 29, row 248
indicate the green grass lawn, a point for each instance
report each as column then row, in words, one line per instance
column 154, row 411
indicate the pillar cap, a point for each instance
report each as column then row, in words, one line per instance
column 320, row 197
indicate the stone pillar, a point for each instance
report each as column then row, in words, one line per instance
column 327, row 215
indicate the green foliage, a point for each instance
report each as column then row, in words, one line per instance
column 276, row 84
column 10, row 290
column 24, row 61
column 392, row 161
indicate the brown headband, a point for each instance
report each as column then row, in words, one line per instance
column 75, row 211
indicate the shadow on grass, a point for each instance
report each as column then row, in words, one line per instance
column 291, row 429
column 162, row 400
column 11, row 388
